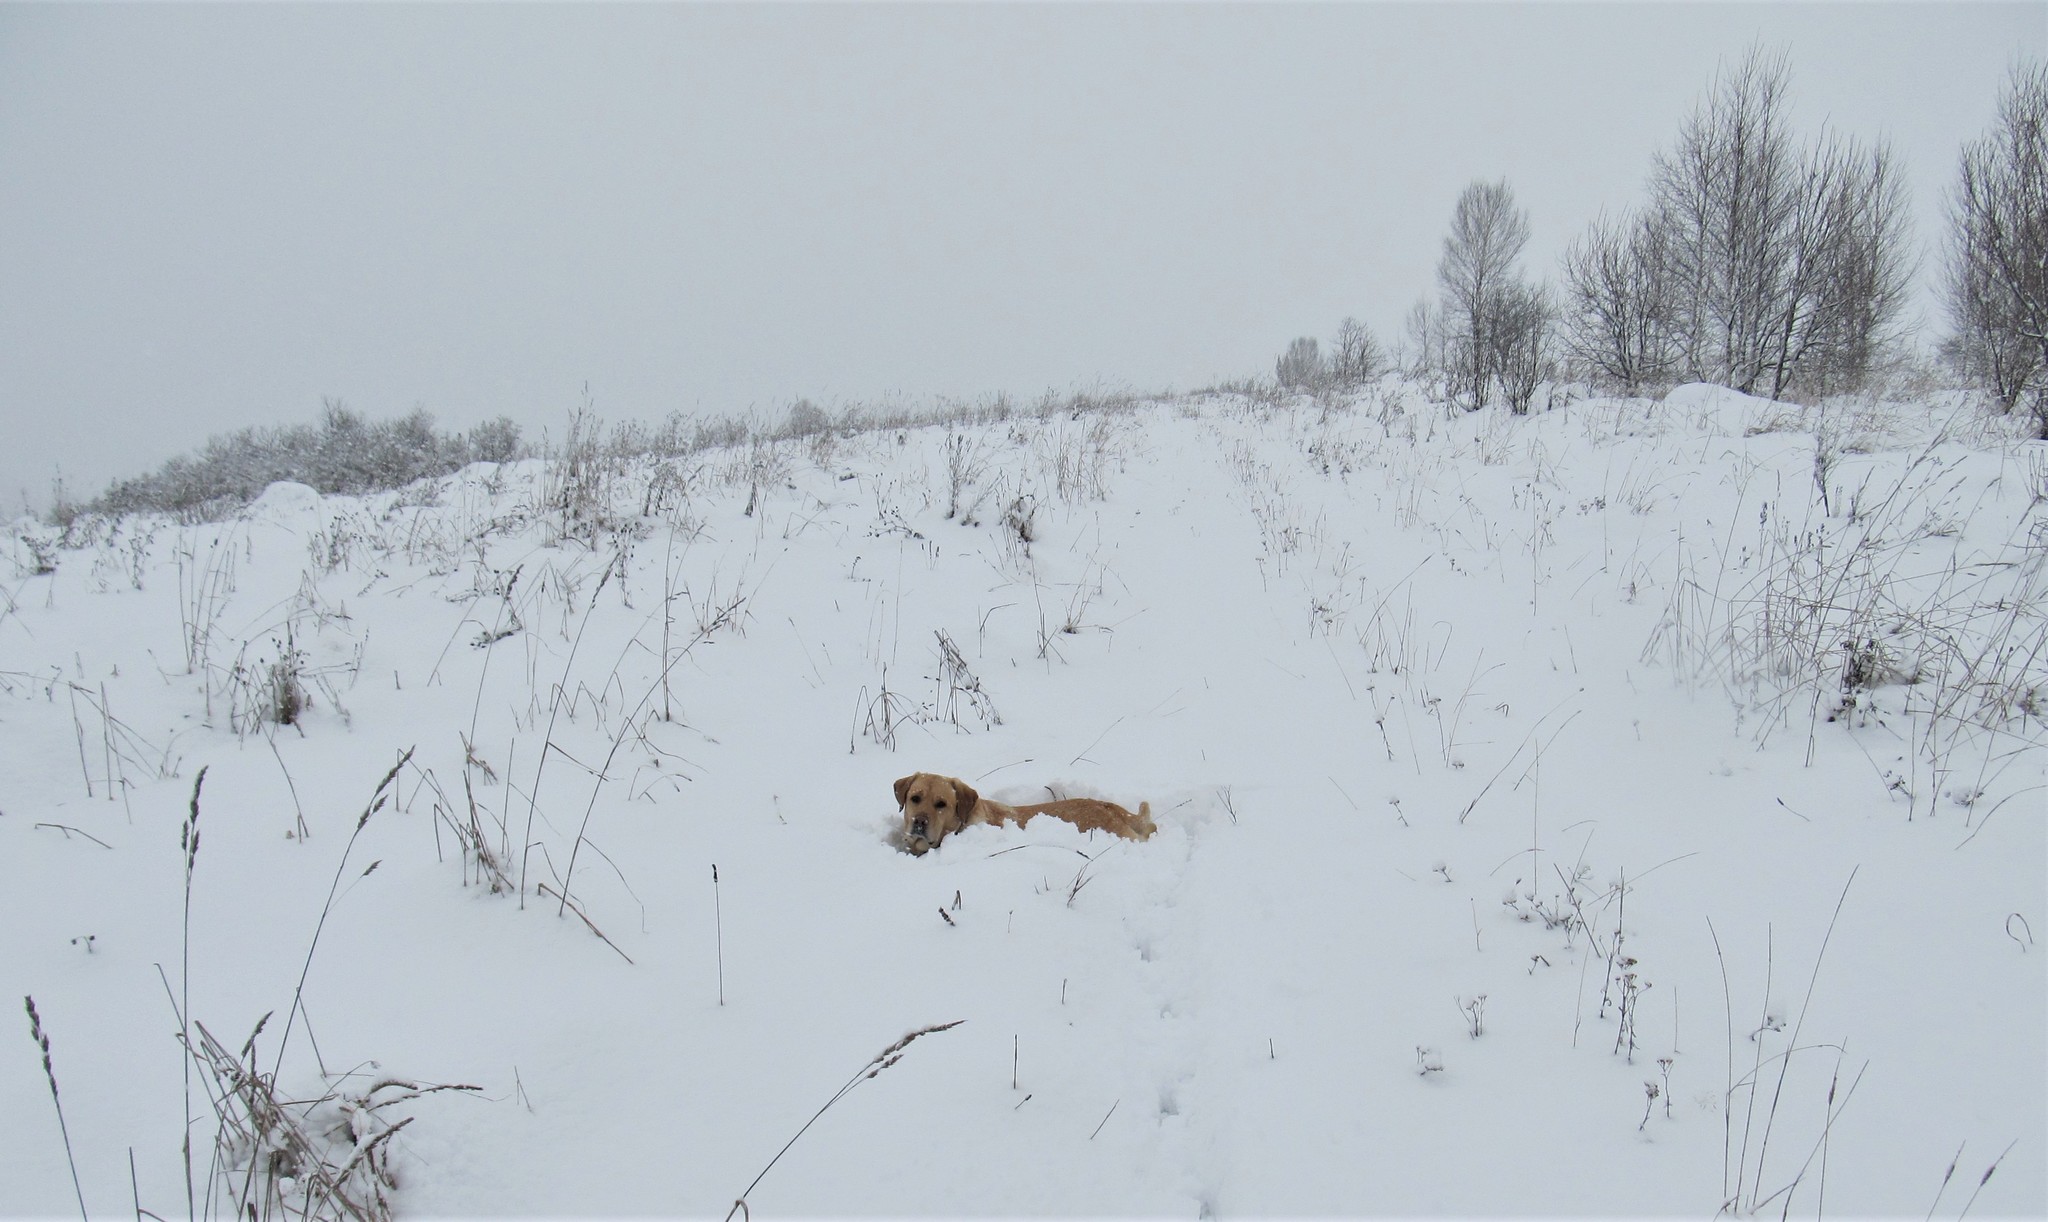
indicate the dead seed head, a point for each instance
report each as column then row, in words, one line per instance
column 890, row 1054
column 35, row 1032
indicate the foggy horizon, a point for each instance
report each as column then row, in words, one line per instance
column 217, row 217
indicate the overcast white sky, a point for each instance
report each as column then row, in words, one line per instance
column 213, row 216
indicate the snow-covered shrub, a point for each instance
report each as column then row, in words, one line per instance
column 38, row 554
column 345, row 452
column 495, row 441
column 805, row 419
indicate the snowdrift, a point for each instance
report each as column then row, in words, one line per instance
column 1635, row 808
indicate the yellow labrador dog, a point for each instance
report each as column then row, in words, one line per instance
column 936, row 806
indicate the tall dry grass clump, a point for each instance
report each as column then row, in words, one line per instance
column 279, row 1155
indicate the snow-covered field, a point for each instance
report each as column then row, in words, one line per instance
column 1636, row 808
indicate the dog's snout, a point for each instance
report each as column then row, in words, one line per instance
column 919, row 829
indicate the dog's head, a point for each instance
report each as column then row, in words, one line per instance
column 933, row 808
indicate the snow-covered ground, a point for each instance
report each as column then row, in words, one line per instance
column 1636, row 808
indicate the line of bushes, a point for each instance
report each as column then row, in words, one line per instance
column 343, row 452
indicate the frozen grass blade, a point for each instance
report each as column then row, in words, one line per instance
column 876, row 1064
column 720, row 617
column 70, row 831
column 1946, row 1176
column 188, row 842
column 377, row 800
column 548, row 739
column 1785, row 1065
column 1985, row 1180
column 1105, row 1119
column 718, row 919
column 35, row 1031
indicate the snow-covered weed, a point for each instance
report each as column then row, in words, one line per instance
column 482, row 835
column 324, row 1154
column 1745, row 1157
column 1474, row 1010
column 586, row 487
column 878, row 716
column 1074, row 619
column 327, row 1157
column 206, row 580
column 1020, row 524
column 120, row 547
column 1392, row 642
column 1883, row 609
column 967, row 485
column 117, row 745
column 1078, row 455
column 959, row 688
column 274, row 675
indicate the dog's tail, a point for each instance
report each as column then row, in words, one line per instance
column 1143, row 824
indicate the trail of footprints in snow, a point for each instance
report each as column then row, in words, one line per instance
column 1166, row 932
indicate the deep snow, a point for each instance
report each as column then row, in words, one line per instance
column 1428, row 708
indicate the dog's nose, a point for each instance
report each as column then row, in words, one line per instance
column 918, row 828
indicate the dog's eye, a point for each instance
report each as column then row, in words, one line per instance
column 941, row 804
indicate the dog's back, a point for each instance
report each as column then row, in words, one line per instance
column 1092, row 815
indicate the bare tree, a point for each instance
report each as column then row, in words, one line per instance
column 1520, row 327
column 1301, row 367
column 1874, row 268
column 1787, row 267
column 1848, row 274
column 1998, row 258
column 1726, row 195
column 1425, row 352
column 1477, row 269
column 1985, row 344
column 1616, row 318
column 1358, row 358
column 1423, row 349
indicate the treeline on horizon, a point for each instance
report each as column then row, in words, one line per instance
column 1758, row 259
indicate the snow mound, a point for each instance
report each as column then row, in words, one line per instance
column 285, row 501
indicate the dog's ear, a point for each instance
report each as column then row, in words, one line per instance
column 965, row 799
column 903, row 789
